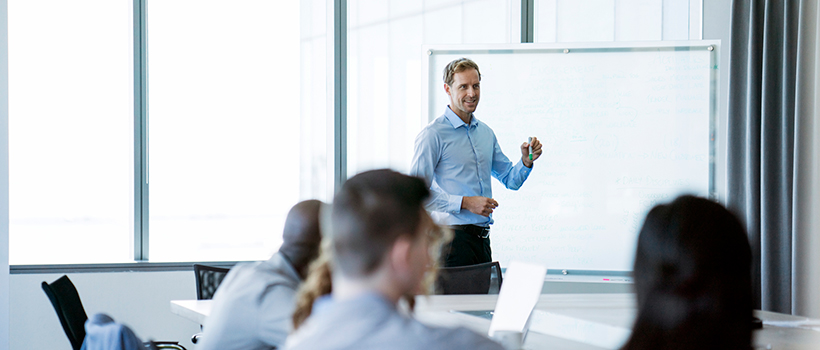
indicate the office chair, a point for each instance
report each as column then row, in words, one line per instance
column 471, row 279
column 66, row 302
column 208, row 279
column 153, row 345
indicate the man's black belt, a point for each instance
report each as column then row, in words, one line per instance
column 479, row 231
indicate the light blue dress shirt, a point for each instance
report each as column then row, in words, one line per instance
column 370, row 321
column 457, row 160
column 102, row 333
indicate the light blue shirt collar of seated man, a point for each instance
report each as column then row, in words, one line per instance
column 458, row 160
column 370, row 321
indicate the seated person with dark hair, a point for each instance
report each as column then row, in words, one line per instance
column 379, row 253
column 693, row 279
column 252, row 307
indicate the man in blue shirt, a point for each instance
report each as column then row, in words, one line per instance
column 457, row 154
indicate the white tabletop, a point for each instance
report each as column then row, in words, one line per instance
column 581, row 314
column 194, row 310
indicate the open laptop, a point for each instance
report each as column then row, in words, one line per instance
column 517, row 298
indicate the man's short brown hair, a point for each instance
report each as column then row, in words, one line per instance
column 371, row 211
column 458, row 66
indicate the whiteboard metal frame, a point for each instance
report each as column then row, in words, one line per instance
column 428, row 51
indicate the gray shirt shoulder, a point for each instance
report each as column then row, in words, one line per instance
column 252, row 307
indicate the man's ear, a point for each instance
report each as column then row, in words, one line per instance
column 447, row 89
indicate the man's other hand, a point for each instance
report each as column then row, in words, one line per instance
column 479, row 205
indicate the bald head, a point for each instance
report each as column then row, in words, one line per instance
column 302, row 236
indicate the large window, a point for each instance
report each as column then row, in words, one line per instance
column 235, row 127
column 224, row 127
column 385, row 40
column 70, row 131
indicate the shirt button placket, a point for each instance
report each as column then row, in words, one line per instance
column 477, row 163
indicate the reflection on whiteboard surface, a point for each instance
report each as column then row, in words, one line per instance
column 622, row 130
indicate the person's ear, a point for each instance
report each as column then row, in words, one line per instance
column 447, row 89
column 400, row 254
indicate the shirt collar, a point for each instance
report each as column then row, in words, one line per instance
column 327, row 301
column 280, row 261
column 456, row 121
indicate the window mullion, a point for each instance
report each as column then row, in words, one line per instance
column 338, row 77
column 527, row 21
column 140, row 134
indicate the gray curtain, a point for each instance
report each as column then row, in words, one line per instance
column 806, row 220
column 761, row 139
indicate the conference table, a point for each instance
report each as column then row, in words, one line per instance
column 566, row 321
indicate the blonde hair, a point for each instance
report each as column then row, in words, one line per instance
column 439, row 236
column 319, row 280
column 458, row 66
column 317, row 284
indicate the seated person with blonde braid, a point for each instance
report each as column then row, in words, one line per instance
column 379, row 253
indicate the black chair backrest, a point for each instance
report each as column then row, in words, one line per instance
column 471, row 279
column 66, row 301
column 208, row 279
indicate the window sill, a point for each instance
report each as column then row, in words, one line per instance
column 116, row 267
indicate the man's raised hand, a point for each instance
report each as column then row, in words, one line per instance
column 525, row 151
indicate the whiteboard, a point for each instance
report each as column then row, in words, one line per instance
column 624, row 126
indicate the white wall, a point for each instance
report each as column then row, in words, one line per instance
column 140, row 300
column 4, row 177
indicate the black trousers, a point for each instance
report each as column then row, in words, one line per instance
column 467, row 248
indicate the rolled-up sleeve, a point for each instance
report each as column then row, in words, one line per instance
column 512, row 176
column 426, row 155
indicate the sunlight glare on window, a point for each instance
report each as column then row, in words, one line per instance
column 71, row 163
column 224, row 127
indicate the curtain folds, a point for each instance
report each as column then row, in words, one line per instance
column 806, row 220
column 772, row 145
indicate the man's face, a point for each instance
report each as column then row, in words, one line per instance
column 420, row 252
column 464, row 93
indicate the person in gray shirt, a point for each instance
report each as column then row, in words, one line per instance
column 379, row 253
column 252, row 307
